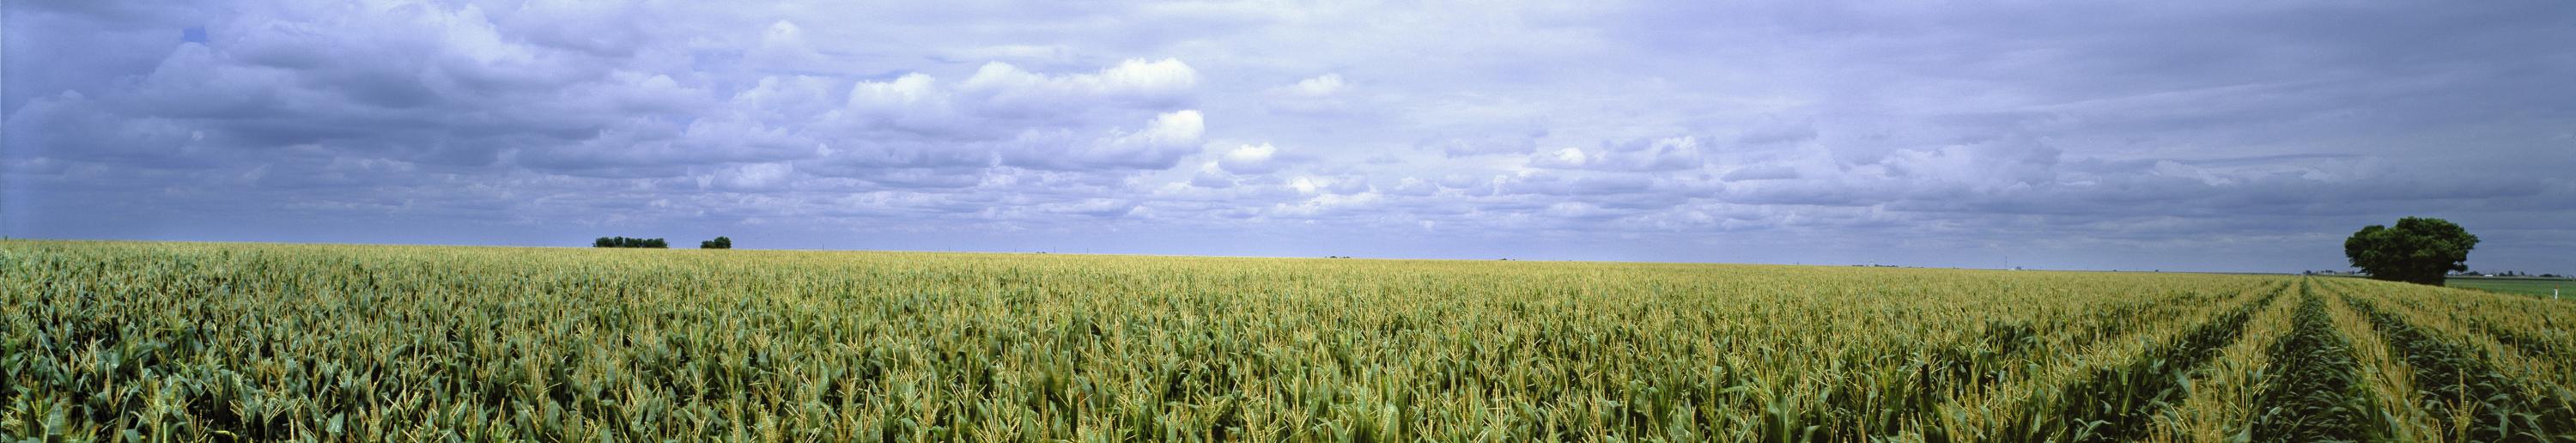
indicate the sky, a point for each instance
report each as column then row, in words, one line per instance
column 2219, row 136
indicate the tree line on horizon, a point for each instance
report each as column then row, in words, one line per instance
column 655, row 243
column 623, row 242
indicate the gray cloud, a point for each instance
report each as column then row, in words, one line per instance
column 1975, row 134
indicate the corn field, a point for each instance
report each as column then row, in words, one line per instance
column 125, row 341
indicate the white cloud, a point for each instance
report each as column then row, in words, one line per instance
column 1169, row 130
column 1567, row 158
column 787, row 98
column 903, row 93
column 1319, row 95
column 1137, row 76
column 914, row 102
column 1663, row 154
column 1210, row 175
column 1319, row 86
column 1134, row 80
column 783, row 48
column 1317, row 185
column 1250, row 159
column 1159, row 145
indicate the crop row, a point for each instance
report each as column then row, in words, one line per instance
column 2119, row 398
column 2537, row 338
column 2458, row 386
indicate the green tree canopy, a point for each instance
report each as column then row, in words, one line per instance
column 2419, row 250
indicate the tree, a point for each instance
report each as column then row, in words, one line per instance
column 2419, row 250
column 623, row 242
column 719, row 243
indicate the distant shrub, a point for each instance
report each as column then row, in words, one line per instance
column 623, row 242
column 719, row 243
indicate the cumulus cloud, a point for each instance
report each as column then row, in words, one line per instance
column 1163, row 81
column 911, row 92
column 1320, row 86
column 1158, row 145
column 783, row 49
column 1211, row 175
column 1250, row 159
column 1322, row 94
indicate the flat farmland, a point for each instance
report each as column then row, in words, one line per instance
column 223, row 342
column 2543, row 287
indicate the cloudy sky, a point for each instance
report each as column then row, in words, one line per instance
column 2251, row 136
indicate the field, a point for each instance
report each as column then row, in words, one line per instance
column 188, row 341
column 2516, row 285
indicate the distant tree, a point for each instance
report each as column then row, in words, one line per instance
column 719, row 243
column 623, row 242
column 2419, row 250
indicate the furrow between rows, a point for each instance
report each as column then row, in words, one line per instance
column 2316, row 393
